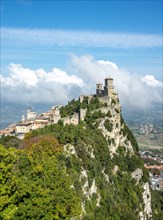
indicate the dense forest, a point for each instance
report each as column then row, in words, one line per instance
column 67, row 172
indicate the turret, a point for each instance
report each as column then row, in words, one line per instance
column 99, row 91
column 108, row 88
column 30, row 114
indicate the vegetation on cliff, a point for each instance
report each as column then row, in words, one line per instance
column 75, row 105
column 67, row 172
column 157, row 204
column 34, row 182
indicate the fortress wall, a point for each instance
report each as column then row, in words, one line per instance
column 104, row 109
column 66, row 120
column 82, row 114
column 56, row 118
column 90, row 97
column 105, row 99
column 74, row 119
column 81, row 98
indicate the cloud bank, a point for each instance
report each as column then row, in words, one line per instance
column 70, row 38
column 58, row 86
column 38, row 86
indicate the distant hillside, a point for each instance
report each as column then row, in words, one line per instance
column 147, row 127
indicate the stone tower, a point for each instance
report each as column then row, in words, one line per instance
column 30, row 114
column 108, row 88
column 99, row 91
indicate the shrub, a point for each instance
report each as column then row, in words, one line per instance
column 108, row 125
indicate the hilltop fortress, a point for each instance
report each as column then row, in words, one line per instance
column 108, row 90
column 106, row 95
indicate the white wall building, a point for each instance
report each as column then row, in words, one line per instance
column 22, row 128
column 39, row 124
column 30, row 114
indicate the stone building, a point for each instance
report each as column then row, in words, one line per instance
column 38, row 123
column 107, row 90
column 105, row 95
column 73, row 119
column 56, row 113
column 30, row 114
column 23, row 127
column 33, row 121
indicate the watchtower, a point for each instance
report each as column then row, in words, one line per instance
column 108, row 88
column 99, row 91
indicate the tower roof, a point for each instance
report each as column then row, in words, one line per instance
column 108, row 78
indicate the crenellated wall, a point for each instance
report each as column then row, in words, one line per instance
column 73, row 119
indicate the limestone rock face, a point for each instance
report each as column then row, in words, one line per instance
column 137, row 175
column 147, row 212
column 109, row 172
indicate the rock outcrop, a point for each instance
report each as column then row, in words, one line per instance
column 108, row 157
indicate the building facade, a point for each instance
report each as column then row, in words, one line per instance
column 22, row 128
column 107, row 90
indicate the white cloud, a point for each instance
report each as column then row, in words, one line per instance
column 26, row 85
column 21, row 76
column 151, row 81
column 133, row 92
column 71, row 38
column 108, row 63
column 57, row 86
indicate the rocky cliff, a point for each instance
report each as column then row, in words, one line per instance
column 87, row 171
column 119, row 166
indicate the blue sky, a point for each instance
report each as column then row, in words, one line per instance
column 131, row 17
column 37, row 37
column 126, row 16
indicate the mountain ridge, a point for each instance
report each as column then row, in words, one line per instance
column 91, row 170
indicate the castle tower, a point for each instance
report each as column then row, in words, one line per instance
column 81, row 98
column 30, row 114
column 56, row 111
column 23, row 118
column 108, row 88
column 99, row 91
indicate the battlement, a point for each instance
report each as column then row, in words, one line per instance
column 107, row 90
column 105, row 95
